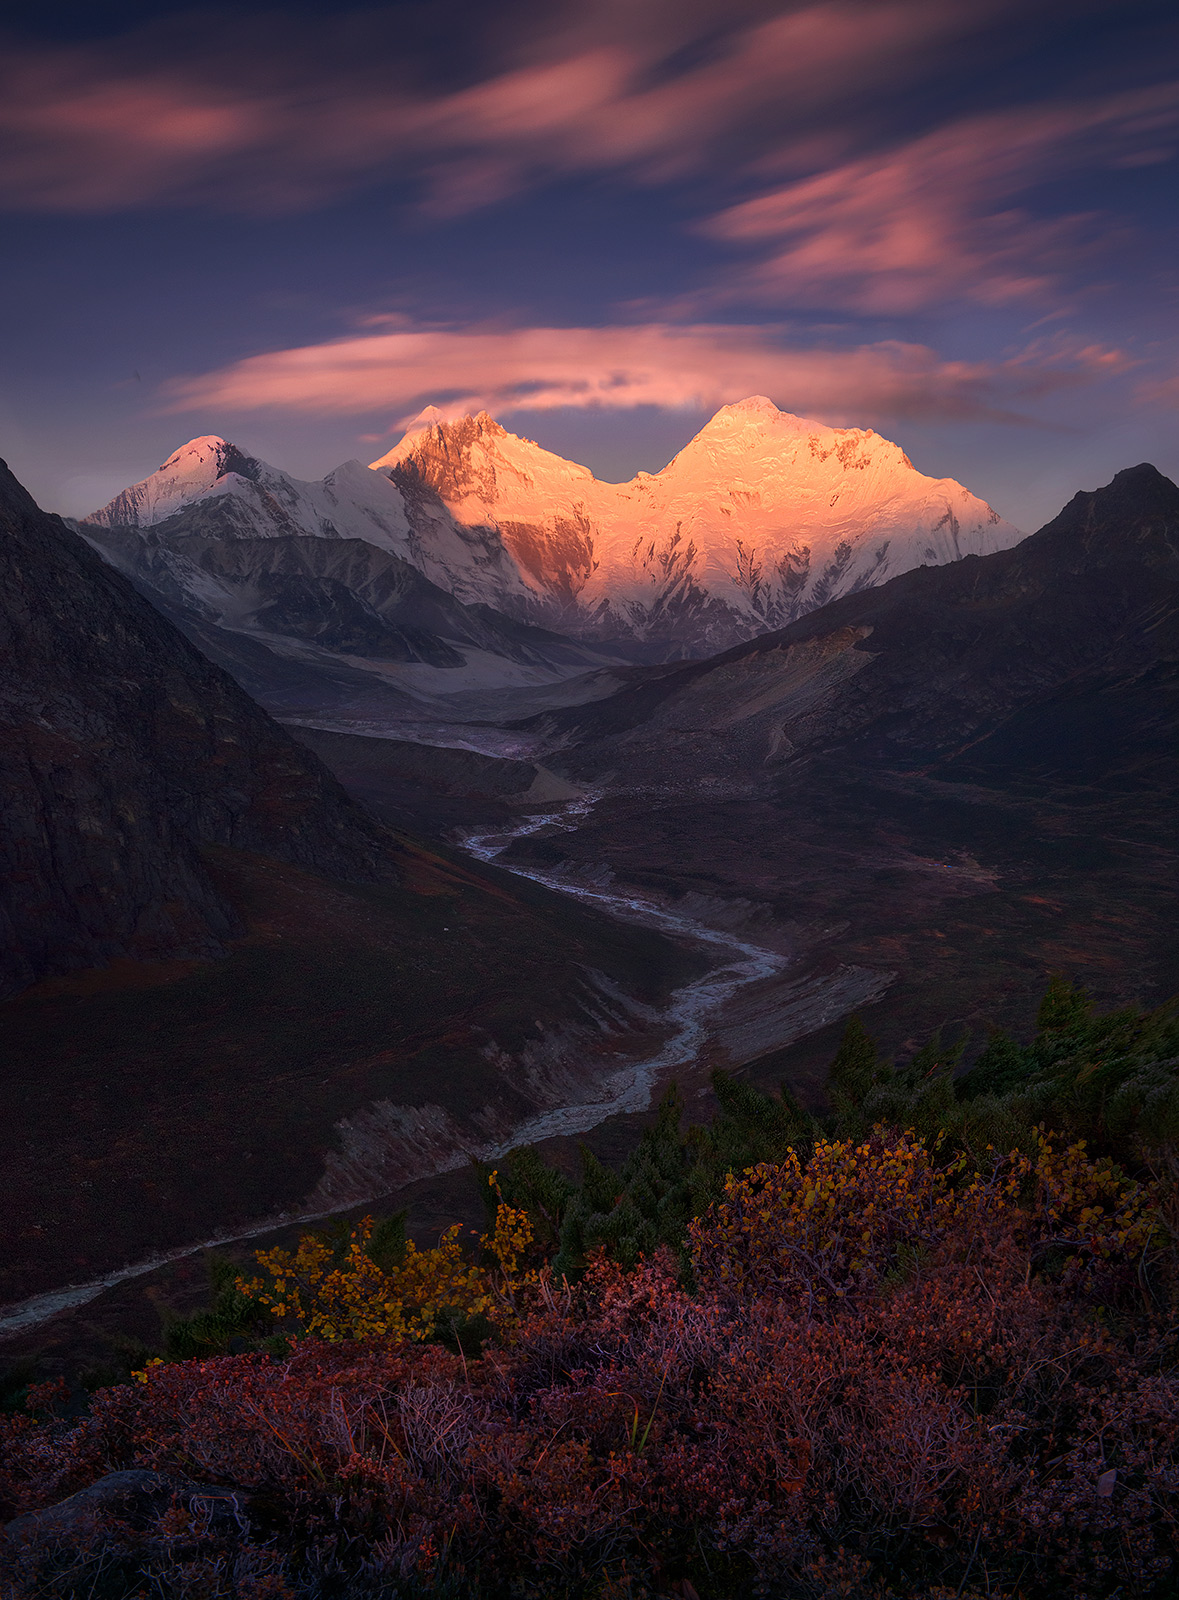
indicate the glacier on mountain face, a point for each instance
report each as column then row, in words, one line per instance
column 761, row 517
column 468, row 550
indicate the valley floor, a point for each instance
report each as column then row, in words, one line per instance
column 202, row 1100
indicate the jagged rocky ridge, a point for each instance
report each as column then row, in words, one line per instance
column 762, row 517
column 940, row 665
column 124, row 751
column 488, row 543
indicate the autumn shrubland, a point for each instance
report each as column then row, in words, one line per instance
column 922, row 1346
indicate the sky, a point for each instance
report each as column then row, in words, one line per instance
column 953, row 221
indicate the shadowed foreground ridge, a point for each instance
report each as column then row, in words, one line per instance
column 122, row 752
column 794, row 1357
column 950, row 650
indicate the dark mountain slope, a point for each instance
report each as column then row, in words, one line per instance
column 199, row 560
column 432, row 789
column 354, row 1037
column 966, row 777
column 918, row 669
column 377, row 1009
column 123, row 752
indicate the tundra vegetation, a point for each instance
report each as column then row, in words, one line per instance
column 924, row 1345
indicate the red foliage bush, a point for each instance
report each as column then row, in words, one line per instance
column 884, row 1396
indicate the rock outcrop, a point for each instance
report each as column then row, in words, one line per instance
column 935, row 665
column 123, row 752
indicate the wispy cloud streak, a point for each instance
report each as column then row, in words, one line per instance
column 932, row 219
column 699, row 366
column 285, row 120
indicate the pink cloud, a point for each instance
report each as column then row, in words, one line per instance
column 598, row 108
column 167, row 114
column 699, row 366
column 932, row 220
column 1162, row 393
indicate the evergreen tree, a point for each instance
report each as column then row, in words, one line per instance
column 1063, row 1008
column 1002, row 1067
column 1112, row 1080
column 855, row 1069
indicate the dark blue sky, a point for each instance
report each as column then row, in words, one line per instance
column 954, row 222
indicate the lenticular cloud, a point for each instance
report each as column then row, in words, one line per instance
column 698, row 366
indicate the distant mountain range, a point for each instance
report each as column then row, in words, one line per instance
column 1026, row 652
column 762, row 517
column 305, row 591
column 469, row 558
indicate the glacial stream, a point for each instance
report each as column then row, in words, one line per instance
column 629, row 1089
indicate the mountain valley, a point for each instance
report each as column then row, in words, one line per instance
column 916, row 800
column 469, row 567
column 589, row 800
column 233, row 992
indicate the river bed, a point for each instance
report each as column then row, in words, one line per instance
column 631, row 1089
column 625, row 1090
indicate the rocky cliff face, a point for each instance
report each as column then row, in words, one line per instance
column 345, row 595
column 763, row 517
column 123, row 752
column 924, row 668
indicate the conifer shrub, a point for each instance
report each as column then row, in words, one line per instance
column 788, row 1356
column 1110, row 1080
column 234, row 1320
column 891, row 1376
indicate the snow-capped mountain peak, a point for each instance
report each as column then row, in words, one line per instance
column 188, row 474
column 755, row 410
column 260, row 501
column 475, row 462
column 762, row 516
column 755, row 429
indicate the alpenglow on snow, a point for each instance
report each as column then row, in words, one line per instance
column 762, row 517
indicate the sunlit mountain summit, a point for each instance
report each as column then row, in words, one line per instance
column 761, row 518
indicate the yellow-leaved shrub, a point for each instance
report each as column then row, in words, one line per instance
column 325, row 1291
column 821, row 1231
